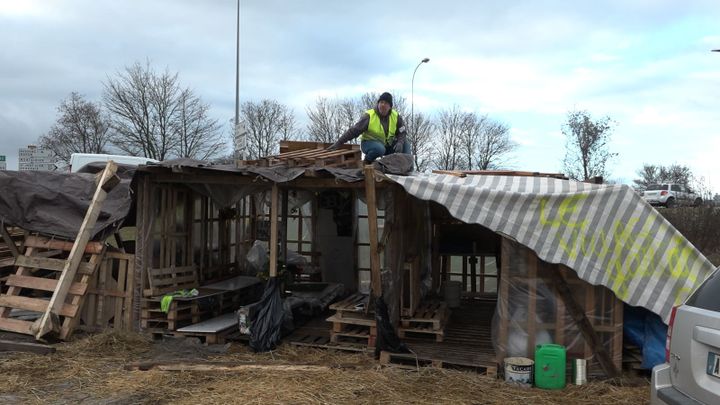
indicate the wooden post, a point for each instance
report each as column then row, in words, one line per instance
column 274, row 230
column 375, row 281
column 283, row 231
column 586, row 328
column 9, row 241
column 48, row 321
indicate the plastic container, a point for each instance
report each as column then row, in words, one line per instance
column 550, row 366
column 519, row 370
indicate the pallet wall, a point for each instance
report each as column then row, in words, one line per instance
column 528, row 303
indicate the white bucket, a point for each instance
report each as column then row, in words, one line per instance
column 519, row 370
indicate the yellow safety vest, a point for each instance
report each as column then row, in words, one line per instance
column 375, row 131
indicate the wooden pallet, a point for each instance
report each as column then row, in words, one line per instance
column 348, row 307
column 310, row 154
column 433, row 314
column 324, row 342
column 68, row 278
column 353, row 330
column 109, row 300
column 428, row 322
column 182, row 311
column 412, row 362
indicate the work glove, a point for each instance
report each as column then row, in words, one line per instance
column 334, row 146
column 398, row 148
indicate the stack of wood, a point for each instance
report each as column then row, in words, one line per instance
column 428, row 321
column 351, row 324
column 310, row 154
column 54, row 289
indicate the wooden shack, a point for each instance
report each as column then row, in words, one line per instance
column 458, row 293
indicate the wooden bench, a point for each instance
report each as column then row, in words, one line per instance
column 211, row 301
column 213, row 331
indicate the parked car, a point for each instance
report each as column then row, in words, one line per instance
column 691, row 372
column 671, row 195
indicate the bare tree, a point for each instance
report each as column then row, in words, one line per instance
column 152, row 114
column 494, row 144
column 587, row 153
column 199, row 135
column 421, row 134
column 267, row 122
column 655, row 174
column 323, row 121
column 81, row 127
column 452, row 125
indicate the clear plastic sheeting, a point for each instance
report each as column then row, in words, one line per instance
column 257, row 257
column 530, row 312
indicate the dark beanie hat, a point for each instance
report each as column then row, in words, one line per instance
column 387, row 97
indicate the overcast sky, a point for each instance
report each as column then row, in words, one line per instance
column 645, row 63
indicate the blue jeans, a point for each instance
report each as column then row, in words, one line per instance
column 375, row 149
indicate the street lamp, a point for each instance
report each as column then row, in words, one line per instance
column 412, row 94
column 237, row 87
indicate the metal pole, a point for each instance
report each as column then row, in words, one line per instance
column 412, row 95
column 237, row 80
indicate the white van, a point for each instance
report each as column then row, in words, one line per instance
column 78, row 160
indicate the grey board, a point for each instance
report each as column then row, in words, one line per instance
column 235, row 283
column 214, row 325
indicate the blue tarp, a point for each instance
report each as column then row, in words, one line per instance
column 646, row 330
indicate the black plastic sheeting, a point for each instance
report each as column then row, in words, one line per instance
column 268, row 316
column 387, row 339
column 55, row 204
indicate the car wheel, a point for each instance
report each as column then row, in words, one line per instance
column 697, row 202
column 670, row 203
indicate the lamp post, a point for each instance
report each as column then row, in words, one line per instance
column 412, row 94
column 237, row 85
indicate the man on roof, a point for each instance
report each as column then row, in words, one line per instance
column 382, row 129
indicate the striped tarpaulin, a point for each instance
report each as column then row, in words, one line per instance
column 607, row 233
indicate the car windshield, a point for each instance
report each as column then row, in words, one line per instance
column 653, row 187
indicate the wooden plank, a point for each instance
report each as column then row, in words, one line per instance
column 375, row 281
column 532, row 262
column 43, row 284
column 172, row 271
column 16, row 325
column 12, row 290
column 119, row 302
column 35, row 304
column 586, row 328
column 455, row 173
column 274, row 230
column 46, row 323
column 13, row 346
column 50, row 264
column 69, row 323
column 45, row 243
column 9, row 241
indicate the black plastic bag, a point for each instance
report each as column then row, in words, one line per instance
column 387, row 339
column 267, row 322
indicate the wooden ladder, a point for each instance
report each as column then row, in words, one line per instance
column 74, row 274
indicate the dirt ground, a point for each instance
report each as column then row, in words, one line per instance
column 95, row 370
